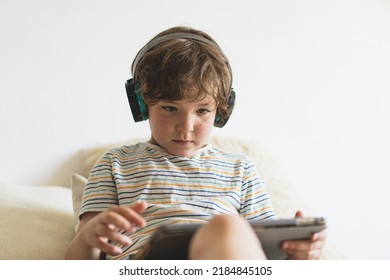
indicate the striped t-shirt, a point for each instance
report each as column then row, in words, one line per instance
column 177, row 189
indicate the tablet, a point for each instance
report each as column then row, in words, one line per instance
column 171, row 242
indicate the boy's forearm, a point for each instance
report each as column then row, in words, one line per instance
column 79, row 250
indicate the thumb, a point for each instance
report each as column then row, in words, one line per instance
column 299, row 214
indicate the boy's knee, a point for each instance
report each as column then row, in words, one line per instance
column 228, row 223
column 226, row 236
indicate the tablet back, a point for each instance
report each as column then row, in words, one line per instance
column 171, row 242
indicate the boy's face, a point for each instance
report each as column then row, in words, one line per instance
column 182, row 126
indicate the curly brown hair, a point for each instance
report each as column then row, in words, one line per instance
column 185, row 68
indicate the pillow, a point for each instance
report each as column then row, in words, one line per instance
column 77, row 185
column 36, row 222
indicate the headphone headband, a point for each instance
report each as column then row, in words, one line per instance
column 168, row 37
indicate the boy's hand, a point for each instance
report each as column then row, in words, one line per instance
column 108, row 225
column 305, row 249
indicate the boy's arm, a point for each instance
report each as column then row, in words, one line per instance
column 78, row 249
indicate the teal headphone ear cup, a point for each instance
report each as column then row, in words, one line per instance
column 221, row 121
column 137, row 104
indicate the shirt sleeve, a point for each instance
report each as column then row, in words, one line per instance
column 255, row 202
column 100, row 192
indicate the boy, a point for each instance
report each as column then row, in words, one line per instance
column 182, row 84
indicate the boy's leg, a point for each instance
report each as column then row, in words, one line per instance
column 226, row 237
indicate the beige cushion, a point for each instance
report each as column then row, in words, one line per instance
column 36, row 222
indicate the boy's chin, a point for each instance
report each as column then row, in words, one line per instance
column 179, row 148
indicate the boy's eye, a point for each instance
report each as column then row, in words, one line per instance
column 169, row 108
column 203, row 111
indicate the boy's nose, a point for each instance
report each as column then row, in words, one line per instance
column 185, row 124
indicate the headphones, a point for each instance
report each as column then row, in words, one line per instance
column 138, row 106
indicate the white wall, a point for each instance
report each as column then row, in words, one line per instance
column 312, row 79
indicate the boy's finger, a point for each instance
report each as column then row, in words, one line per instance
column 114, row 220
column 108, row 248
column 132, row 216
column 109, row 232
column 139, row 207
column 304, row 255
column 317, row 236
column 301, row 245
column 299, row 214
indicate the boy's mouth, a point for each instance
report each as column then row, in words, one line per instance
column 183, row 142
